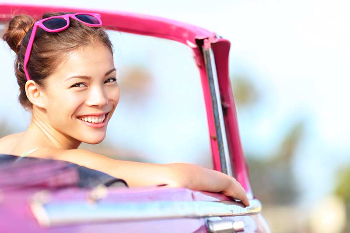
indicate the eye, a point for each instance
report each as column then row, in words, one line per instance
column 78, row 85
column 111, row 80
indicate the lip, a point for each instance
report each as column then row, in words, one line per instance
column 94, row 114
column 94, row 125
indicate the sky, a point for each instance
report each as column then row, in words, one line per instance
column 296, row 52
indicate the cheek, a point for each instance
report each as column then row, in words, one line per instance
column 59, row 107
column 114, row 95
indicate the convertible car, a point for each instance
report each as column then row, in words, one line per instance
column 39, row 195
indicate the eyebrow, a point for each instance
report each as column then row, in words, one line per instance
column 89, row 77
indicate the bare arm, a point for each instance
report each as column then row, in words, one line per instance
column 147, row 174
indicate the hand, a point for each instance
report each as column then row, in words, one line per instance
column 236, row 191
column 202, row 179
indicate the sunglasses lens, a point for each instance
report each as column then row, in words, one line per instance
column 55, row 23
column 88, row 19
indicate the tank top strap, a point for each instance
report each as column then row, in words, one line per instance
column 31, row 151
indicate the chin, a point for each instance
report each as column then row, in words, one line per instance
column 94, row 140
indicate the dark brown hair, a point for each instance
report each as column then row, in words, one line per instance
column 49, row 49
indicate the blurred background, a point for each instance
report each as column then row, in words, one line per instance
column 289, row 66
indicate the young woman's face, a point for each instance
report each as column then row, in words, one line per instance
column 82, row 94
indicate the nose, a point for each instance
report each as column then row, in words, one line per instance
column 97, row 97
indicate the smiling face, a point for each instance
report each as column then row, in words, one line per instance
column 81, row 96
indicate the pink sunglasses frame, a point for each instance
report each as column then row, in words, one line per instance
column 42, row 26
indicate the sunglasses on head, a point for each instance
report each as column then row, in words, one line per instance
column 56, row 24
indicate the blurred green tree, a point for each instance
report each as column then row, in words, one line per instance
column 342, row 190
column 272, row 179
column 245, row 93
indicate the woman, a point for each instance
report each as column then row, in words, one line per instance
column 67, row 79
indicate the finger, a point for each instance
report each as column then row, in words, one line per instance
column 239, row 192
column 243, row 196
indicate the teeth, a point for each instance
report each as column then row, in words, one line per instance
column 93, row 119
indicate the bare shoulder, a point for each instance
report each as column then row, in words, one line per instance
column 11, row 137
column 8, row 142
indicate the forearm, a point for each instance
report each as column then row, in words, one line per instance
column 148, row 174
column 180, row 175
column 187, row 176
column 199, row 178
column 173, row 175
column 144, row 174
column 134, row 173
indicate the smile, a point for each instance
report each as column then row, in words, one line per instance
column 96, row 121
column 93, row 119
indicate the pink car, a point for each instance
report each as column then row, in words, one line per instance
column 38, row 195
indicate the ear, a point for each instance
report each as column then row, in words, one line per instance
column 35, row 94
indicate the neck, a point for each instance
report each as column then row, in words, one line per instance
column 49, row 136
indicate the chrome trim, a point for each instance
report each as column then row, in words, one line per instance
column 218, row 114
column 224, row 225
column 72, row 212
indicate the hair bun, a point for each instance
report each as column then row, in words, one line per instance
column 16, row 30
